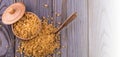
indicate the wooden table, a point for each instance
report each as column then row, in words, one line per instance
column 73, row 37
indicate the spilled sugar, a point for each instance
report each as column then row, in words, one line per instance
column 43, row 44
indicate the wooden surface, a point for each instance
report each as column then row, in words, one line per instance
column 104, row 28
column 77, row 31
column 94, row 33
column 73, row 37
column 6, row 36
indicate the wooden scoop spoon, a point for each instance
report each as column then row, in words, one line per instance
column 67, row 21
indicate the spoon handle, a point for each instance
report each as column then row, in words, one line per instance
column 67, row 21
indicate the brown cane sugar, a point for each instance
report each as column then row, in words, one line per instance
column 27, row 26
column 44, row 44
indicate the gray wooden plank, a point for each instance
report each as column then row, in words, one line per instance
column 104, row 28
column 59, row 16
column 97, row 31
column 6, row 35
column 74, row 37
column 77, row 30
column 64, row 36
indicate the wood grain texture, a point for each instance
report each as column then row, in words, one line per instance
column 95, row 32
column 74, row 36
column 77, row 31
column 104, row 28
column 6, row 35
column 57, row 9
column 61, row 8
